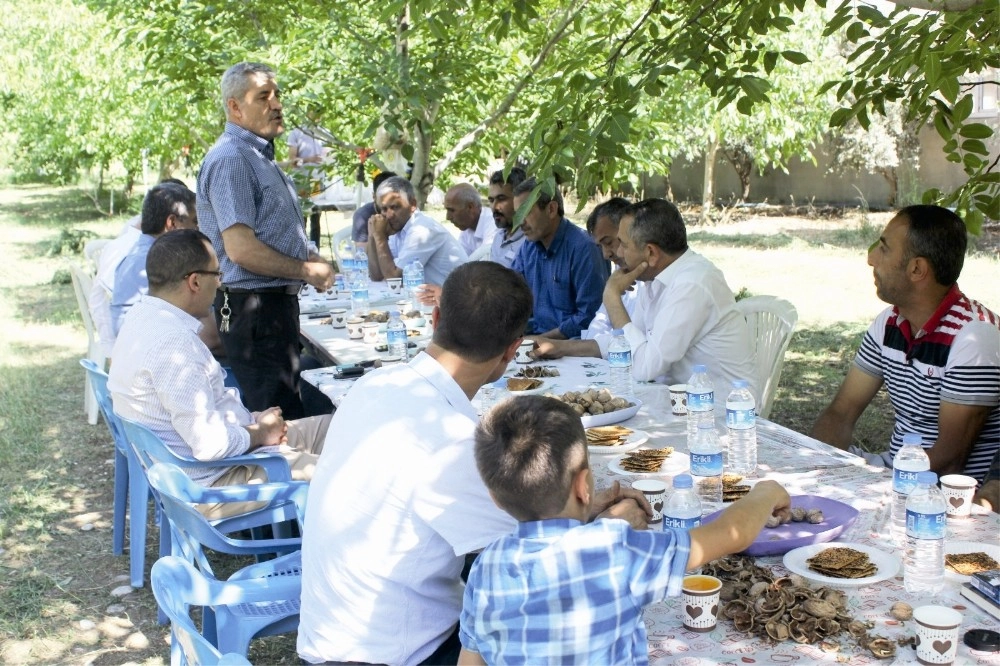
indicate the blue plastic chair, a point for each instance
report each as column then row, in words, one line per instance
column 231, row 629
column 148, row 449
column 177, row 586
column 130, row 483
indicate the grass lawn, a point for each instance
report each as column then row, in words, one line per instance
column 56, row 567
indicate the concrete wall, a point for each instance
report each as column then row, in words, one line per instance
column 807, row 182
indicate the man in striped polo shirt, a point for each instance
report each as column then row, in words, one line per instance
column 250, row 210
column 936, row 350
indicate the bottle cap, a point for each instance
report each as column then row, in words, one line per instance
column 700, row 368
column 913, row 438
column 683, row 481
column 740, row 383
column 927, row 478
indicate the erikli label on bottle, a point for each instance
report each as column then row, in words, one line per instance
column 925, row 525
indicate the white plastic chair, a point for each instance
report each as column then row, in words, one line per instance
column 771, row 321
column 340, row 239
column 92, row 250
column 82, row 282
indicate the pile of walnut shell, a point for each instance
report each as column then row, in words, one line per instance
column 788, row 608
column 592, row 401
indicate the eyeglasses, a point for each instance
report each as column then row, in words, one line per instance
column 217, row 274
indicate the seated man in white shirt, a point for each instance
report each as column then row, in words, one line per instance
column 164, row 377
column 400, row 234
column 397, row 501
column 463, row 206
column 685, row 313
column 602, row 225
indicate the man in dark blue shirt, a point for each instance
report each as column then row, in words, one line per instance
column 561, row 264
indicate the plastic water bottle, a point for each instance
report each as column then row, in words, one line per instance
column 395, row 332
column 910, row 460
column 706, row 466
column 926, row 530
column 741, row 421
column 620, row 360
column 683, row 508
column 361, row 264
column 348, row 268
column 359, row 296
column 417, row 279
column 701, row 401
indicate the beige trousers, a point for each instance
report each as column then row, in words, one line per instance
column 305, row 442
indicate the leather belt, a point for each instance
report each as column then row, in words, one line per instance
column 288, row 289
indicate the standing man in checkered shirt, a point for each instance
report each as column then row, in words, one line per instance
column 248, row 207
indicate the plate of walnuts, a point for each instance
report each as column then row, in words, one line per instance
column 598, row 407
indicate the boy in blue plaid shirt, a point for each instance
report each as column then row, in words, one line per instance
column 562, row 589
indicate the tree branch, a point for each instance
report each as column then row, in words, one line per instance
column 613, row 58
column 471, row 137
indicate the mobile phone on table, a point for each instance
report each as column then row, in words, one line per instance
column 348, row 371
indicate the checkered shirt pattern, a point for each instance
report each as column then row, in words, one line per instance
column 239, row 183
column 559, row 591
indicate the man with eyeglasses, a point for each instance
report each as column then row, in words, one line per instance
column 249, row 208
column 164, row 377
column 167, row 207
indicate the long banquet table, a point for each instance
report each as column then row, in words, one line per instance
column 804, row 466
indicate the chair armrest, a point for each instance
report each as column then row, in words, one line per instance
column 273, row 463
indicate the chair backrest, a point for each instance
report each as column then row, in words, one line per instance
column 99, row 384
column 177, row 586
column 92, row 250
column 82, row 283
column 771, row 321
column 340, row 238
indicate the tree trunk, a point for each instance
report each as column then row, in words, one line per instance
column 892, row 178
column 708, row 186
column 742, row 163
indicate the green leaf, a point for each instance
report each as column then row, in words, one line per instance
column 795, row 57
column 744, row 105
column 841, row 116
column 962, row 110
column 975, row 146
column 949, row 88
column 975, row 131
column 770, row 60
column 856, row 31
column 932, row 68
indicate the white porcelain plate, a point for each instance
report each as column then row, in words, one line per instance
column 594, row 420
column 961, row 547
column 544, row 386
column 634, row 441
column 674, row 464
column 887, row 564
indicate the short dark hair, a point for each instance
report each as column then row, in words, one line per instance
column 528, row 449
column 939, row 236
column 174, row 255
column 163, row 200
column 484, row 307
column 396, row 184
column 380, row 178
column 658, row 221
column 613, row 209
column 514, row 178
column 543, row 197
